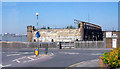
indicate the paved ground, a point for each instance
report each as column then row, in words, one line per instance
column 55, row 57
column 90, row 63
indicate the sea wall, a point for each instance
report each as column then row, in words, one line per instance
column 26, row 45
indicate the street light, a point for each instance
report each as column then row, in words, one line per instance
column 37, row 13
column 37, row 19
column 46, row 49
column 37, row 35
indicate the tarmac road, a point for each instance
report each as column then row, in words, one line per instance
column 56, row 57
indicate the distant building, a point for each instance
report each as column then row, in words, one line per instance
column 9, row 34
column 15, row 35
column 86, row 32
column 112, row 39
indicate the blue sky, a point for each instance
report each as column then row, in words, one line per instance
column 16, row 16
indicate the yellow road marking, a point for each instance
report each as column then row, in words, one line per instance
column 75, row 64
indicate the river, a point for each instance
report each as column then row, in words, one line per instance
column 16, row 39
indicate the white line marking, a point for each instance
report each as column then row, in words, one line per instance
column 72, row 53
column 16, row 61
column 51, row 54
column 26, row 52
column 30, row 58
column 1, row 66
column 21, row 58
column 4, row 65
column 95, row 54
column 13, row 54
column 7, row 65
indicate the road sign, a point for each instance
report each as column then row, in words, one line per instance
column 37, row 34
column 36, row 51
column 114, row 35
column 108, row 34
column 114, row 43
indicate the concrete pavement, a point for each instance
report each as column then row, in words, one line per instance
column 89, row 63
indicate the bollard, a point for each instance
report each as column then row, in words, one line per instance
column 36, row 51
column 60, row 45
column 46, row 50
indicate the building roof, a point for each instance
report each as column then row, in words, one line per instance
column 87, row 23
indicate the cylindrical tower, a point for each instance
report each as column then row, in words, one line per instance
column 30, row 30
column 81, row 29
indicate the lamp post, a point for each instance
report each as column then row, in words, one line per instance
column 37, row 35
column 37, row 19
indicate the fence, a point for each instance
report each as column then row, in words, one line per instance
column 82, row 44
column 68, row 45
column 90, row 44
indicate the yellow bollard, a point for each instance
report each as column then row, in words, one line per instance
column 36, row 51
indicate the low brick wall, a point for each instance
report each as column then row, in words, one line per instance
column 26, row 45
column 79, row 44
column 42, row 45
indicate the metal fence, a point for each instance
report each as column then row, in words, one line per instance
column 90, row 44
column 82, row 44
column 66, row 45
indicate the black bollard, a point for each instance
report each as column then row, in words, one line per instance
column 60, row 45
column 46, row 50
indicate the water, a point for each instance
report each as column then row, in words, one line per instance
column 16, row 39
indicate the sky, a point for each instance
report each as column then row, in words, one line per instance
column 16, row 16
column 60, row 0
